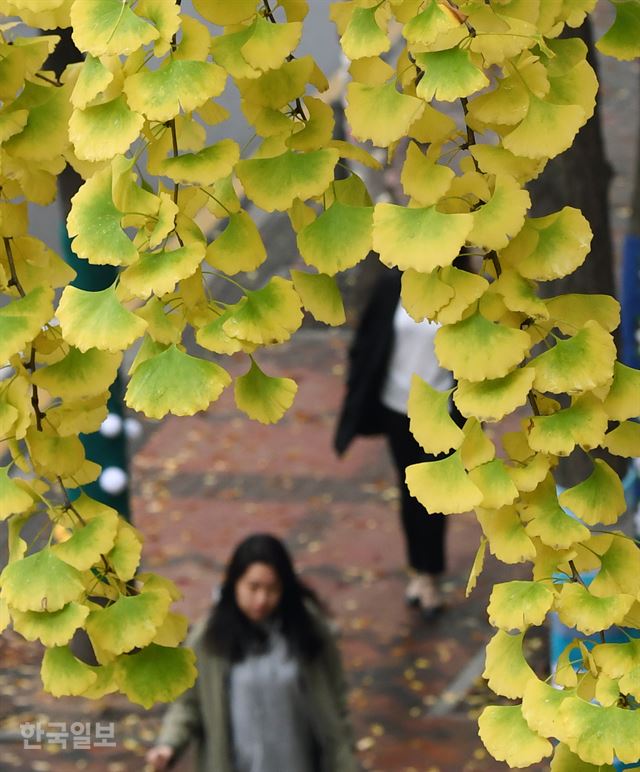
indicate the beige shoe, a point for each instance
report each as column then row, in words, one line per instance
column 428, row 596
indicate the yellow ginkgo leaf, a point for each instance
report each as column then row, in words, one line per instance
column 624, row 440
column 506, row 105
column 518, row 604
column 506, row 535
column 598, row 499
column 159, row 272
column 239, row 247
column 506, row 669
column 619, row 570
column 476, row 349
column 507, row 736
column 583, row 423
column 317, row 130
column 97, row 320
column 262, row 397
column 276, row 88
column 476, row 568
column 101, row 131
column 94, row 78
column 547, row 520
column 502, row 216
column 622, row 39
column 566, row 761
column 443, row 486
column 432, row 126
column 223, row 13
column 449, row 74
column 528, row 474
column 274, row 183
column 51, row 628
column 492, row 399
column 269, row 44
column 577, row 607
column 364, row 35
column 547, row 130
column 79, row 374
column 429, row 418
column 109, row 27
column 423, row 28
column 476, row 448
column 498, row 489
column 424, row 294
column 204, row 167
column 380, row 113
column 320, row 295
column 494, row 159
column 62, row 673
column 519, row 295
column 21, row 320
column 428, row 238
column 423, row 179
column 540, row 706
column 467, row 289
column 13, row 498
column 371, row 70
column 623, row 399
column 213, row 337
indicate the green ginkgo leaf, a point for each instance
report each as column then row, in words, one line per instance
column 624, row 440
column 579, row 608
column 476, row 349
column 423, row 179
column 630, row 683
column 131, row 622
column 496, row 485
column 541, row 709
column 64, row 675
column 124, row 556
column 22, row 319
column 40, row 582
column 622, row 39
column 320, row 296
column 623, row 399
column 619, row 569
column 109, row 27
column 262, row 397
column 204, row 167
column 156, row 674
column 506, row 535
column 616, row 659
column 79, row 374
column 88, row 542
column 565, row 761
column 443, row 486
column 598, row 499
column 493, row 399
column 13, row 498
column 380, row 113
column 424, row 27
column 102, row 131
column 178, row 85
column 175, row 382
column 429, row 418
column 213, row 337
column 506, row 669
column 519, row 294
column 239, row 247
column 274, row 183
column 547, row 519
column 583, row 423
column 502, row 216
column 519, row 604
column 276, row 88
column 424, row 294
column 159, row 272
column 580, row 363
column 363, row 35
column 338, row 239
column 93, row 79
column 227, row 51
column 97, row 320
column 507, row 736
column 53, row 628
column 429, row 238
column 449, row 75
column 268, row 315
column 547, row 130
column 550, row 247
column 95, row 222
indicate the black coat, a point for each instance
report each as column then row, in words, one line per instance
column 362, row 412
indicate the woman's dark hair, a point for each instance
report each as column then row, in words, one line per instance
column 231, row 634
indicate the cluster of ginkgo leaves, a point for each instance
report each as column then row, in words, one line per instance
column 132, row 119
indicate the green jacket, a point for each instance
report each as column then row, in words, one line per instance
column 202, row 712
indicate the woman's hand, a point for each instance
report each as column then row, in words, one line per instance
column 159, row 757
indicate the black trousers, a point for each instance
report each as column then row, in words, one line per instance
column 424, row 532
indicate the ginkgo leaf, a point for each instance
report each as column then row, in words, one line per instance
column 54, row 455
column 547, row 519
column 101, row 131
column 506, row 535
column 580, row 363
column 550, row 247
column 616, row 659
column 22, row 319
column 477, row 567
column 317, row 130
column 424, row 294
column 518, row 604
column 204, row 167
column 109, row 27
column 449, row 75
column 239, row 247
column 96, row 224
column 97, row 320
column 577, row 607
column 159, row 272
column 540, row 707
column 547, row 130
column 79, row 374
column 502, row 216
column 496, row 485
column 12, row 123
column 619, row 570
column 163, row 327
column 53, row 628
column 223, row 13
column 270, row 44
column 262, row 397
column 213, row 337
column 493, row 399
column 623, row 398
column 429, row 238
column 565, row 761
column 476, row 448
column 622, row 39
column 129, row 623
column 494, row 159
column 320, row 296
column 63, row 674
column 156, row 674
column 507, row 736
column 429, row 418
column 506, row 105
column 93, row 79
column 355, row 153
column 13, row 498
column 371, row 70
column 583, row 423
column 443, row 486
column 80, row 416
column 160, row 94
column 423, row 179
column 380, row 113
column 125, row 553
column 624, row 440
column 467, row 288
column 424, row 27
column 506, row 669
column 276, row 88
column 274, row 183
column 519, row 294
column 363, row 35
column 172, row 631
column 40, row 582
column 175, row 382
column 476, row 349
column 89, row 541
column 338, row 238
column 598, row 499
column 268, row 315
